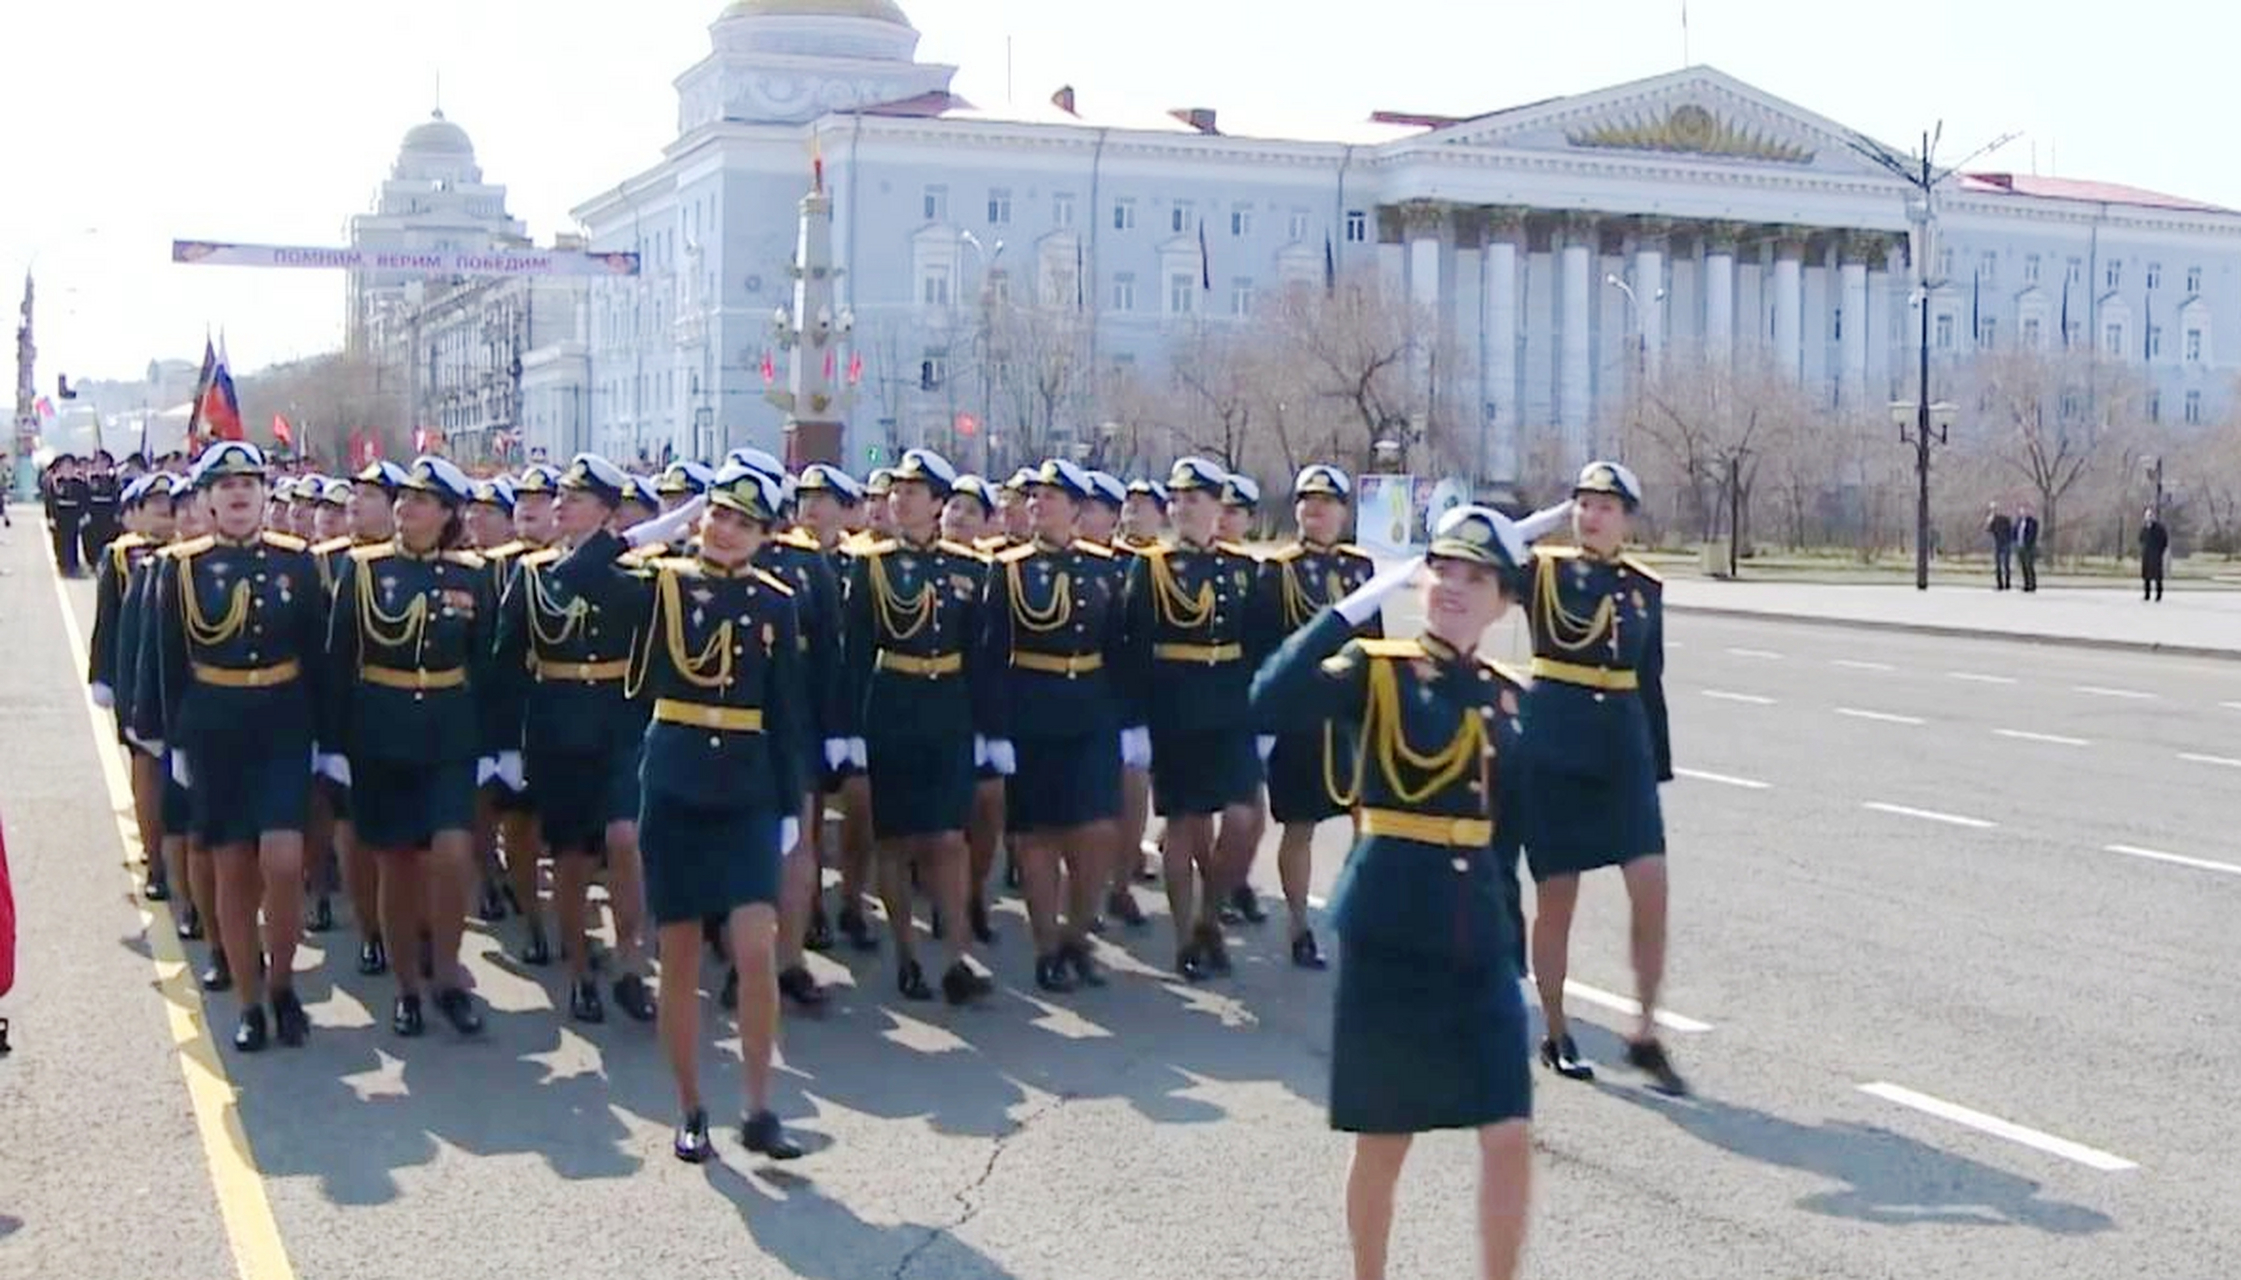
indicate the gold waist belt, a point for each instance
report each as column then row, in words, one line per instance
column 248, row 677
column 588, row 672
column 701, row 715
column 1425, row 828
column 1582, row 674
column 1209, row 654
column 941, row 664
column 1059, row 664
column 414, row 681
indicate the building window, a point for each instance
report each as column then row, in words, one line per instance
column 1945, row 332
column 2112, row 277
column 933, row 371
column 2112, row 340
column 1182, row 217
column 1241, row 298
column 1182, row 293
column 2194, row 345
column 1062, row 210
column 1295, row 226
column 999, row 288
column 2076, row 271
column 2194, row 408
column 1987, row 333
column 935, row 204
column 1124, row 215
column 1241, row 220
column 2155, row 342
column 1945, row 264
column 1124, row 291
column 2074, row 334
column 2030, row 268
column 2155, row 406
column 2069, row 406
column 2031, row 333
column 2194, row 280
column 1357, row 226
column 999, row 206
column 1988, row 268
column 933, row 287
column 2155, row 275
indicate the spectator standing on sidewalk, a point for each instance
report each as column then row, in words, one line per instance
column 2155, row 547
column 2027, row 545
column 2002, row 530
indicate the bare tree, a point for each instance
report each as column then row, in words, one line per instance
column 1350, row 347
column 1039, row 361
column 2051, row 417
column 1711, row 425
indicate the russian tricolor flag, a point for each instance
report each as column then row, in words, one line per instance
column 219, row 405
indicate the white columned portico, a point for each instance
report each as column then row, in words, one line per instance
column 1852, row 276
column 1499, row 350
column 1576, row 234
column 1423, row 229
column 1719, row 292
column 1789, row 303
column 1649, row 289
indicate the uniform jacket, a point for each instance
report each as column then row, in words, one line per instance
column 1190, row 662
column 563, row 655
column 911, row 615
column 1050, row 642
column 795, row 559
column 409, row 645
column 236, row 629
column 1597, row 624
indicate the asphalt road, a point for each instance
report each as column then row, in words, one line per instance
column 1973, row 944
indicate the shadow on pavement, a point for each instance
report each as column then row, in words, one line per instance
column 1890, row 1179
column 819, row 1238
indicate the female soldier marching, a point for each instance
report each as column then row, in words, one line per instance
column 1430, row 1029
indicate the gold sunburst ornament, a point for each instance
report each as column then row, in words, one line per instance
column 1692, row 130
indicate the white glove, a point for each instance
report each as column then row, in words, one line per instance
column 510, row 771
column 1136, row 747
column 1265, row 744
column 857, row 755
column 980, row 751
column 486, row 768
column 1001, row 757
column 1363, row 604
column 154, row 748
column 836, row 752
column 665, row 528
column 337, row 768
column 1544, row 522
column 789, row 835
column 103, row 697
column 180, row 773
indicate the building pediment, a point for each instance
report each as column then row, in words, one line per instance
column 1696, row 114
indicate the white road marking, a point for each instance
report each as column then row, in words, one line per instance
column 2101, row 691
column 2090, row 1157
column 2228, row 761
column 1754, row 653
column 1883, row 716
column 1752, row 698
column 2157, row 855
column 2231, row 706
column 1857, row 665
column 1723, row 779
column 2027, row 736
column 1930, row 815
column 1980, row 679
column 1317, row 903
column 1632, row 1008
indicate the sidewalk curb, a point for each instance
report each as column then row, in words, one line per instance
column 1964, row 633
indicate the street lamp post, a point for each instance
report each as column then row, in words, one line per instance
column 1641, row 340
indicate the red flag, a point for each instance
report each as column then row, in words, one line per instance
column 770, row 369
column 829, row 358
column 282, row 433
column 855, row 367
column 221, row 408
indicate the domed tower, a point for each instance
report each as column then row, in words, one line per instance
column 433, row 199
column 790, row 61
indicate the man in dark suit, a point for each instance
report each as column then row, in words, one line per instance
column 2027, row 545
column 2155, row 547
column 2002, row 529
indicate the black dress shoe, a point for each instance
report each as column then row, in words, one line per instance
column 1189, row 966
column 289, row 1019
column 1213, row 952
column 691, row 1144
column 373, row 957
column 219, row 976
column 536, row 952
column 632, row 997
column 960, row 985
column 1248, row 904
column 1086, row 971
column 249, row 1033
column 404, row 1016
column 819, row 936
column 1648, row 1057
column 157, row 886
column 910, row 981
column 1563, row 1057
column 983, row 932
column 1051, row 974
column 458, row 1009
column 190, row 924
column 729, row 996
column 1306, row 953
column 1122, row 904
column 762, row 1134
column 584, row 1004
column 796, row 985
column 858, row 930
column 321, row 917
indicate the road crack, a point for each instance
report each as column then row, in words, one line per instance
column 968, row 1199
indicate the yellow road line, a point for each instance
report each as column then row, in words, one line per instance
column 251, row 1232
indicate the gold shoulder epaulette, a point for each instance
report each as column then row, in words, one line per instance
column 647, row 554
column 285, row 541
column 774, row 582
column 1354, row 550
column 1635, row 563
column 191, row 547
column 992, row 542
column 1098, row 549
column 1392, row 648
column 129, row 541
column 1154, row 548
column 505, row 551
column 332, row 545
column 1013, row 555
column 1515, row 675
column 539, row 558
column 373, row 551
column 467, row 559
column 1236, row 549
column 956, row 548
column 875, row 547
column 799, row 538
column 1288, row 552
column 1556, row 552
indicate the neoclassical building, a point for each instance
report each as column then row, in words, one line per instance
column 434, row 198
column 1558, row 246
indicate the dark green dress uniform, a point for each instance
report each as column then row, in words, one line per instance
column 1050, row 643
column 143, row 702
column 1307, row 769
column 106, row 672
column 503, row 561
column 236, row 626
column 409, row 654
column 1430, row 1027
column 794, row 558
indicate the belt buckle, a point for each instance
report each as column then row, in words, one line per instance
column 1459, row 830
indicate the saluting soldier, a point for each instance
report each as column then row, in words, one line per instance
column 1429, row 1031
column 720, row 662
column 145, row 511
column 237, row 627
column 1050, row 641
column 911, row 605
column 680, row 482
column 1308, row 770
column 1596, row 713
column 1187, row 605
column 572, row 733
column 408, row 649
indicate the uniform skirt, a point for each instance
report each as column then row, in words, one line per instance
column 706, row 862
column 1417, row 1044
column 1299, row 778
column 246, row 786
column 1578, row 823
column 920, row 786
column 1064, row 782
column 1203, row 773
column 577, row 793
column 402, row 805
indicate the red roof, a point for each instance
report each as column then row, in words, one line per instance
column 2024, row 184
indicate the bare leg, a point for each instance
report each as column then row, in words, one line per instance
column 1295, row 869
column 177, row 866
column 797, row 885
column 984, row 833
column 1188, row 843
column 1370, row 1182
column 1553, row 903
column 1646, row 896
column 518, row 831
column 280, row 857
column 147, row 810
column 1038, row 882
column 894, row 894
column 1086, row 850
column 753, row 930
column 202, row 889
column 450, row 888
column 240, row 884
column 678, row 1014
column 855, row 843
column 1240, row 840
column 1505, row 1178
column 361, row 879
column 404, row 907
column 571, row 897
column 949, row 869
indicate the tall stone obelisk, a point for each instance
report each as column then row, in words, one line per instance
column 813, row 334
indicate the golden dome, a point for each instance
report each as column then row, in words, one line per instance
column 875, row 10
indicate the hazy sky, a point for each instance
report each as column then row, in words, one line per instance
column 133, row 121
